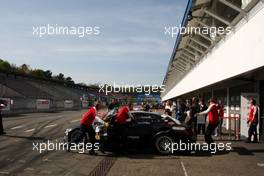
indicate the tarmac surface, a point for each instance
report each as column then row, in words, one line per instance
column 18, row 156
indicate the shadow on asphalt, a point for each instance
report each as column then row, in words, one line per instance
column 26, row 137
column 245, row 151
column 150, row 154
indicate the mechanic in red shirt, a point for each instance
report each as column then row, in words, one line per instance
column 253, row 121
column 121, row 119
column 86, row 125
column 124, row 114
column 213, row 120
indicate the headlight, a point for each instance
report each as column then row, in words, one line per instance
column 178, row 128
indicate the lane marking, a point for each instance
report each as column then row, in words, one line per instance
column 33, row 129
column 4, row 172
column 29, row 169
column 75, row 120
column 260, row 164
column 17, row 127
column 184, row 170
column 52, row 125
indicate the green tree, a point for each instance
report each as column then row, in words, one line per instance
column 69, row 80
column 59, row 77
column 38, row 73
column 48, row 74
column 25, row 69
column 5, row 66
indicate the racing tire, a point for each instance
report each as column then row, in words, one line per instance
column 163, row 143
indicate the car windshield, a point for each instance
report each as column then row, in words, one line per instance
column 164, row 116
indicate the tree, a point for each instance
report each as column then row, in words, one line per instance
column 69, row 80
column 25, row 69
column 82, row 84
column 59, row 77
column 48, row 74
column 5, row 66
column 38, row 73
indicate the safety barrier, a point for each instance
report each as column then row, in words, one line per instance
column 232, row 127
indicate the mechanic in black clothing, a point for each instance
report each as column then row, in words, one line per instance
column 2, row 105
column 194, row 109
column 202, row 107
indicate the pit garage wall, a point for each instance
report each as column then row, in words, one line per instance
column 240, row 52
column 231, row 97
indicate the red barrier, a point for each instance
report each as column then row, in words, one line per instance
column 236, row 131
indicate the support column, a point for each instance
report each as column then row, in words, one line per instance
column 227, row 107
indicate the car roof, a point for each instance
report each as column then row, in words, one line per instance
column 145, row 112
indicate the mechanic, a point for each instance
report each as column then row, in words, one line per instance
column 179, row 110
column 86, row 126
column 202, row 119
column 147, row 107
column 2, row 105
column 212, row 120
column 168, row 108
column 121, row 121
column 193, row 116
column 112, row 111
column 253, row 121
column 221, row 116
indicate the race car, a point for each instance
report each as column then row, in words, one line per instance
column 147, row 129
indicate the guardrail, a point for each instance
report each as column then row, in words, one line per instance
column 232, row 127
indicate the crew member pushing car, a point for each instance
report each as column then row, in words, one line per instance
column 86, row 126
column 121, row 120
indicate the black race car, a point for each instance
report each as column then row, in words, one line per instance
column 147, row 130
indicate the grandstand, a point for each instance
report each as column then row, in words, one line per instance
column 25, row 94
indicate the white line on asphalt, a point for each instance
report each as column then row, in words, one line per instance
column 50, row 126
column 260, row 164
column 33, row 129
column 17, row 127
column 3, row 172
column 29, row 169
column 184, row 170
column 75, row 121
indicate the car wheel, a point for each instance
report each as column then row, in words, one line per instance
column 75, row 135
column 163, row 144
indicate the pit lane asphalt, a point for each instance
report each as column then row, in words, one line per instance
column 18, row 158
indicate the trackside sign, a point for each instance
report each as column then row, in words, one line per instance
column 43, row 104
column 68, row 104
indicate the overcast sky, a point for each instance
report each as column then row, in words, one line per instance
column 130, row 49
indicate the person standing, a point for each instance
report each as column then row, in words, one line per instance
column 179, row 109
column 201, row 125
column 221, row 116
column 194, row 109
column 212, row 121
column 169, row 108
column 253, row 121
column 2, row 105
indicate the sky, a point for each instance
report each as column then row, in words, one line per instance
column 131, row 47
